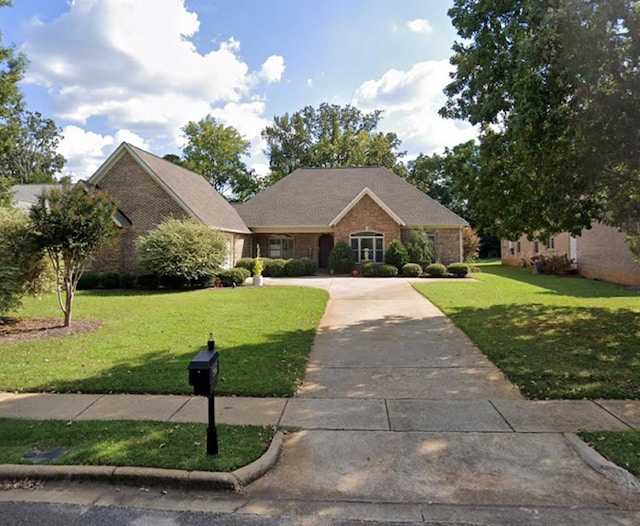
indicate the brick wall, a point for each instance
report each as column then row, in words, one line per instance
column 143, row 202
column 448, row 245
column 367, row 215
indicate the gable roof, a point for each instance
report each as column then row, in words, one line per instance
column 188, row 189
column 26, row 195
column 319, row 197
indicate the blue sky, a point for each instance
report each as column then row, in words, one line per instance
column 139, row 70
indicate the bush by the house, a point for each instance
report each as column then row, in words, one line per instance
column 182, row 252
column 294, row 268
column 273, row 268
column 460, row 270
column 556, row 264
column 110, row 280
column 234, row 276
column 369, row 269
column 387, row 271
column 411, row 270
column 127, row 281
column 396, row 254
column 342, row 259
column 247, row 263
column 89, row 281
column 311, row 266
column 436, row 270
column 471, row 244
column 420, row 249
column 147, row 282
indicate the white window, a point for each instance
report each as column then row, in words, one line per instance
column 368, row 246
column 281, row 247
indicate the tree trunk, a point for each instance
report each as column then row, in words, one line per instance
column 68, row 285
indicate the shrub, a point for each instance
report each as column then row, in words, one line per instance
column 127, row 281
column 234, row 276
column 341, row 259
column 471, row 244
column 294, row 267
column 559, row 265
column 182, row 251
column 436, row 270
column 420, row 249
column 411, row 270
column 110, row 280
column 459, row 270
column 387, row 271
column 369, row 270
column 273, row 267
column 310, row 266
column 396, row 254
column 89, row 281
column 147, row 282
column 247, row 263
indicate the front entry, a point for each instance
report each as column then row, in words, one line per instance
column 325, row 245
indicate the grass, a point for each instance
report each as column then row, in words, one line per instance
column 148, row 338
column 132, row 443
column 554, row 337
column 620, row 447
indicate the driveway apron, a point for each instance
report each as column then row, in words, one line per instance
column 399, row 406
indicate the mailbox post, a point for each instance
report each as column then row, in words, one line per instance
column 203, row 376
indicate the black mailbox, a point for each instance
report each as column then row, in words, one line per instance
column 203, row 372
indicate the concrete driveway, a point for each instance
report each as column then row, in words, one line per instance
column 398, row 406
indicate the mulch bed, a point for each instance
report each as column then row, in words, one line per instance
column 14, row 330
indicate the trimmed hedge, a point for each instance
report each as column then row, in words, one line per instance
column 247, row 263
column 387, row 271
column 110, row 280
column 460, row 270
column 294, row 268
column 374, row 270
column 234, row 276
column 342, row 259
column 411, row 270
column 436, row 270
column 274, row 268
column 311, row 266
column 147, row 282
column 89, row 281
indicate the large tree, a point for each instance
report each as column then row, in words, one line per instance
column 72, row 223
column 327, row 137
column 215, row 151
column 555, row 87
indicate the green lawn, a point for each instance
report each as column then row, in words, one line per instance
column 620, row 447
column 147, row 339
column 132, row 443
column 554, row 337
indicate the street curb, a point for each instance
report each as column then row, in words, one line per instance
column 127, row 475
column 597, row 462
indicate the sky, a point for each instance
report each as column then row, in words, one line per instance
column 138, row 71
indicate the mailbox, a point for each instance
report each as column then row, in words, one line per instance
column 203, row 372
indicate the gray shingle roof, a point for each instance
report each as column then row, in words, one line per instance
column 26, row 195
column 316, row 196
column 192, row 192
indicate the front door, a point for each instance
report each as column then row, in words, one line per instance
column 325, row 245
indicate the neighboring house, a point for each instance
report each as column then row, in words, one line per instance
column 307, row 212
column 26, row 195
column 598, row 253
column 149, row 190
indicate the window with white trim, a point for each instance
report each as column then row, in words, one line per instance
column 281, row 246
column 368, row 246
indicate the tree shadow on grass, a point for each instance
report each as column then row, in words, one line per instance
column 572, row 286
column 560, row 352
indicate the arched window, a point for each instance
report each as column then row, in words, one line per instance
column 281, row 246
column 368, row 246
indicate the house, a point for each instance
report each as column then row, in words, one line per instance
column 26, row 195
column 600, row 252
column 307, row 212
column 302, row 215
column 148, row 190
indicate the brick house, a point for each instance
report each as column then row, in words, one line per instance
column 302, row 215
column 149, row 190
column 600, row 252
column 307, row 212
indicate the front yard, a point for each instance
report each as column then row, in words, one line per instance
column 148, row 338
column 553, row 337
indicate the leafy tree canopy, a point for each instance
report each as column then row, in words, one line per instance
column 554, row 86
column 215, row 151
column 327, row 137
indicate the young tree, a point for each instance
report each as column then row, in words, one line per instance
column 72, row 224
column 214, row 151
column 553, row 86
column 327, row 137
column 420, row 250
column 182, row 250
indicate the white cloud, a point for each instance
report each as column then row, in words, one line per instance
column 309, row 83
column 85, row 150
column 248, row 119
column 420, row 25
column 411, row 100
column 130, row 65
